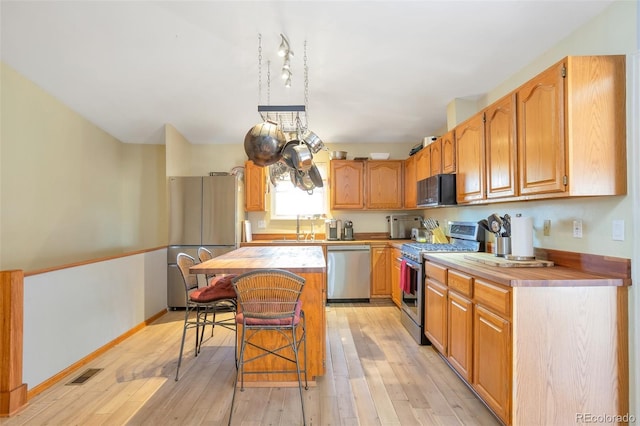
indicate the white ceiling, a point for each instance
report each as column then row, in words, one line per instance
column 379, row 71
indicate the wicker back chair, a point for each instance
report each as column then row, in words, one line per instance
column 269, row 301
column 217, row 297
column 205, row 254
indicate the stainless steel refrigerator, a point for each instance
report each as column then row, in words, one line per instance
column 204, row 211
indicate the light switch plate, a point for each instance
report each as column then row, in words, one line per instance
column 617, row 231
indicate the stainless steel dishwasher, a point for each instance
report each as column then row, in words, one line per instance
column 348, row 273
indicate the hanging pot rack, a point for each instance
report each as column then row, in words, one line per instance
column 291, row 118
column 291, row 121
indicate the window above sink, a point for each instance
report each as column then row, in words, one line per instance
column 288, row 201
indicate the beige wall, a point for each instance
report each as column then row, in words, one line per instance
column 70, row 191
column 178, row 150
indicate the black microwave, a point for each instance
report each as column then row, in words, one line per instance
column 437, row 190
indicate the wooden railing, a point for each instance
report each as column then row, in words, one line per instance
column 13, row 393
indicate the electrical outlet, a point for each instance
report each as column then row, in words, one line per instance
column 547, row 227
column 262, row 224
column 617, row 232
column 577, row 228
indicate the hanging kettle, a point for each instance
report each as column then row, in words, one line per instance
column 264, row 142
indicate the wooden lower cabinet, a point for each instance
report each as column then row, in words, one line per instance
column 460, row 334
column 492, row 361
column 435, row 314
column 533, row 353
column 462, row 323
column 396, row 262
column 380, row 271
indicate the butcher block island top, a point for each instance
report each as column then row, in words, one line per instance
column 309, row 263
column 297, row 259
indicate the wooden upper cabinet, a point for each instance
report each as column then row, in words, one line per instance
column 470, row 179
column 254, row 187
column 541, row 139
column 383, row 184
column 435, row 149
column 423, row 164
column 596, row 125
column 410, row 183
column 501, row 149
column 448, row 152
column 572, row 129
column 347, row 184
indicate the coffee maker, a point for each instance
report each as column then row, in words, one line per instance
column 347, row 231
column 332, row 229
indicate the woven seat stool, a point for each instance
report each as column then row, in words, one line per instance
column 269, row 301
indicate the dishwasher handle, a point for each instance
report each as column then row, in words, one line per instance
column 349, row 247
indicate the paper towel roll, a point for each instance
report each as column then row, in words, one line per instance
column 521, row 236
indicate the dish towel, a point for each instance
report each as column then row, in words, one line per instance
column 405, row 278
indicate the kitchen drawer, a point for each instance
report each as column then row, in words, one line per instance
column 436, row 272
column 460, row 282
column 493, row 296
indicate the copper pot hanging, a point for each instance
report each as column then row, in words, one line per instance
column 264, row 142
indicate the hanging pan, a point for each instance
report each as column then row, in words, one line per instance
column 277, row 171
column 302, row 181
column 312, row 140
column 297, row 155
column 263, row 143
column 314, row 175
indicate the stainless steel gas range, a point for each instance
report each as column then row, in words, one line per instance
column 464, row 237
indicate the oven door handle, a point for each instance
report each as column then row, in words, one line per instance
column 410, row 264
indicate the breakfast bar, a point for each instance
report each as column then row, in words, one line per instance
column 305, row 261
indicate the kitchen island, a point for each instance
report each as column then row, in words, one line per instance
column 306, row 261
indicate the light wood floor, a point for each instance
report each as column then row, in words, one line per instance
column 376, row 375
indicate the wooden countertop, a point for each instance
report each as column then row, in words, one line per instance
column 552, row 276
column 292, row 242
column 295, row 258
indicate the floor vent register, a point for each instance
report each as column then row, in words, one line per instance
column 86, row 375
